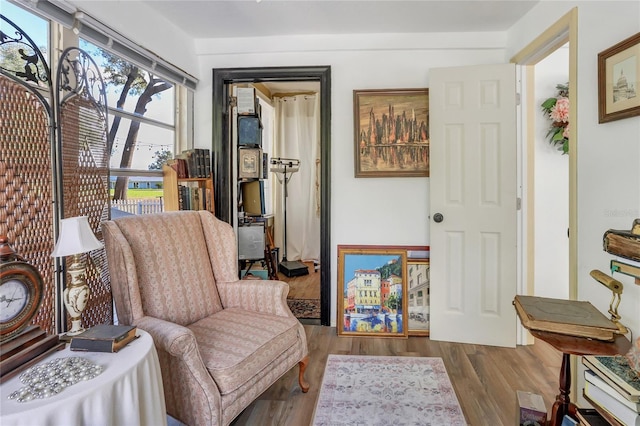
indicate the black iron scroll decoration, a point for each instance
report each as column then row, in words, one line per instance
column 80, row 76
column 22, row 58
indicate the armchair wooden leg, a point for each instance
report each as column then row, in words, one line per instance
column 303, row 367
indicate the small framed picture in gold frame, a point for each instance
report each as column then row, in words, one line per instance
column 249, row 163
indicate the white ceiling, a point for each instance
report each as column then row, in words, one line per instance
column 250, row 18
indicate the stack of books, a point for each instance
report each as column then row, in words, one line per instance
column 192, row 163
column 614, row 386
column 104, row 338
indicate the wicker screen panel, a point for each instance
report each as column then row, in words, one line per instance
column 26, row 188
column 82, row 127
column 85, row 189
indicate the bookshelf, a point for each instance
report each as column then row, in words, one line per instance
column 253, row 221
column 202, row 197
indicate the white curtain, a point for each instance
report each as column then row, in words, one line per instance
column 297, row 130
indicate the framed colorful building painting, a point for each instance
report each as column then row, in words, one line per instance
column 372, row 291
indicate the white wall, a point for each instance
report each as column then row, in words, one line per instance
column 370, row 62
column 608, row 154
column 551, row 273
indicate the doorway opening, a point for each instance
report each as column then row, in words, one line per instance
column 223, row 156
column 561, row 35
column 551, row 185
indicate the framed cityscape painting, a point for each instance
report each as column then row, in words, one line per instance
column 391, row 132
column 372, row 290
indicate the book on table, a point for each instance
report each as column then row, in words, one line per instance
column 104, row 338
column 619, row 411
column 622, row 242
column 595, row 380
column 617, row 373
column 569, row 317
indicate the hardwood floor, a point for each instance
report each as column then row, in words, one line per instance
column 485, row 378
column 304, row 286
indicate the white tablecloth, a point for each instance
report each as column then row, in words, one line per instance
column 128, row 392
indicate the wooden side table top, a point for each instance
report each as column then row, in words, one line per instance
column 583, row 346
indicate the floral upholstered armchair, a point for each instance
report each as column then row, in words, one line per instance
column 221, row 341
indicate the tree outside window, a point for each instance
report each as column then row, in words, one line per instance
column 141, row 116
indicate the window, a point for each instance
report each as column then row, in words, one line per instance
column 150, row 121
column 142, row 116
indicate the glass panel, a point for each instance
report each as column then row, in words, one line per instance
column 142, row 135
column 148, row 95
column 150, row 149
column 144, row 196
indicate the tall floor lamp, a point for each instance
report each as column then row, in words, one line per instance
column 76, row 238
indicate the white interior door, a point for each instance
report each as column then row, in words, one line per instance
column 473, row 187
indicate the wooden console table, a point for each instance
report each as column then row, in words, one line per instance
column 570, row 345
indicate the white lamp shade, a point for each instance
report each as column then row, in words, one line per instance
column 75, row 237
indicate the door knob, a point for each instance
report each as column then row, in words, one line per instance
column 438, row 217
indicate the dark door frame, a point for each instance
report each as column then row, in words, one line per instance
column 222, row 155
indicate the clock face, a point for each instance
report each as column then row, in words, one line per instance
column 13, row 298
column 20, row 295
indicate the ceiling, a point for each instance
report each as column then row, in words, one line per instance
column 250, row 18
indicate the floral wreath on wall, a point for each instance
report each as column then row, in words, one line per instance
column 557, row 110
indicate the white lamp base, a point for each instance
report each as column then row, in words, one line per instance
column 76, row 296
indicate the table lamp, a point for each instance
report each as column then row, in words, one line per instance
column 76, row 238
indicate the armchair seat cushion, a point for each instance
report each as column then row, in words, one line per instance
column 237, row 345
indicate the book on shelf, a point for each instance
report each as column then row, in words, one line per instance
column 104, row 338
column 253, row 198
column 619, row 411
column 622, row 242
column 264, row 169
column 193, row 197
column 206, row 153
column 191, row 159
column 249, row 163
column 590, row 417
column 615, row 370
column 179, row 165
column 246, row 99
column 595, row 380
column 192, row 163
column 625, row 266
column 569, row 317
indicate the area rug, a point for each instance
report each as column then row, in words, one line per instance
column 305, row 308
column 386, row 390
